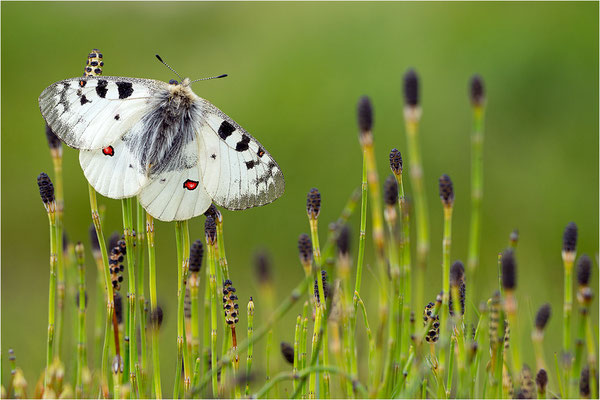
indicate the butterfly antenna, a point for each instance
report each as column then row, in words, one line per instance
column 212, row 77
column 168, row 66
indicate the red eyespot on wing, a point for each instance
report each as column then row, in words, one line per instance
column 108, row 151
column 190, row 184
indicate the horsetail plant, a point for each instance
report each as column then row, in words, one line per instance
column 585, row 335
column 537, row 335
column 81, row 302
column 509, row 284
column 47, row 194
column 541, row 380
column 569, row 249
column 477, row 96
column 196, row 256
column 250, row 345
column 210, row 232
column 412, row 117
column 155, row 311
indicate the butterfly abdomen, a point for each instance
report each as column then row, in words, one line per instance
column 94, row 64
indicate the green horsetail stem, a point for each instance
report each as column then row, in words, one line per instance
column 81, row 307
column 153, row 305
column 110, row 296
column 47, row 195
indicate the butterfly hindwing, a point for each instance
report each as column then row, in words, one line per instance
column 237, row 171
column 91, row 113
column 177, row 194
column 113, row 171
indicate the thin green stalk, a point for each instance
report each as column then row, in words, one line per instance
column 250, row 345
column 81, row 345
column 412, row 117
column 568, row 258
column 316, row 341
column 139, row 246
column 57, row 162
column 302, row 360
column 109, row 289
column 372, row 349
column 185, row 268
column 476, row 194
column 213, row 316
column 394, row 334
column 559, row 377
column 359, row 267
column 51, row 208
column 153, row 304
column 450, row 367
column 195, row 311
column 206, row 323
column 592, row 360
column 128, row 233
column 446, row 245
column 406, row 267
column 297, row 332
column 329, row 247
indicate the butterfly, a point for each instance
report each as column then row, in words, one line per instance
column 161, row 142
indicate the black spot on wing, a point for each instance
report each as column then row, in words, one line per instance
column 84, row 100
column 225, row 130
column 117, row 117
column 213, row 156
column 242, row 145
column 260, row 152
column 125, row 89
column 250, row 164
column 101, row 88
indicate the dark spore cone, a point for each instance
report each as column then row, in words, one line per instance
column 365, row 114
column 46, row 188
column 94, row 244
column 446, row 190
column 118, row 307
column 477, row 90
column 584, row 383
column 313, row 203
column 396, row 161
column 53, row 140
column 156, row 317
column 343, row 240
column 411, row 88
column 457, row 273
column 262, row 263
column 584, row 270
column 570, row 238
column 325, row 287
column 543, row 316
column 541, row 379
column 509, row 270
column 230, row 305
column 196, row 254
column 390, row 189
column 212, row 211
column 305, row 249
column 287, row 351
column 210, row 229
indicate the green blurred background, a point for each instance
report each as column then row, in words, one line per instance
column 296, row 72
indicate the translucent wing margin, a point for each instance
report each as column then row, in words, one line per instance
column 237, row 171
column 91, row 113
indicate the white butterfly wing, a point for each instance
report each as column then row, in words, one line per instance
column 113, row 171
column 91, row 113
column 178, row 194
column 237, row 171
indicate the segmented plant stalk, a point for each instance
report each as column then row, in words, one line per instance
column 444, row 326
column 183, row 251
column 297, row 333
column 476, row 187
column 109, row 290
column 210, row 242
column 54, row 250
column 250, row 344
column 394, row 334
column 195, row 311
column 268, row 348
column 567, row 311
column 153, row 305
column 359, row 267
column 81, row 345
column 100, row 300
column 139, row 246
column 206, row 323
column 372, row 349
column 412, row 116
column 302, row 360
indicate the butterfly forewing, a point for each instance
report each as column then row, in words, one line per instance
column 236, row 170
column 93, row 112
